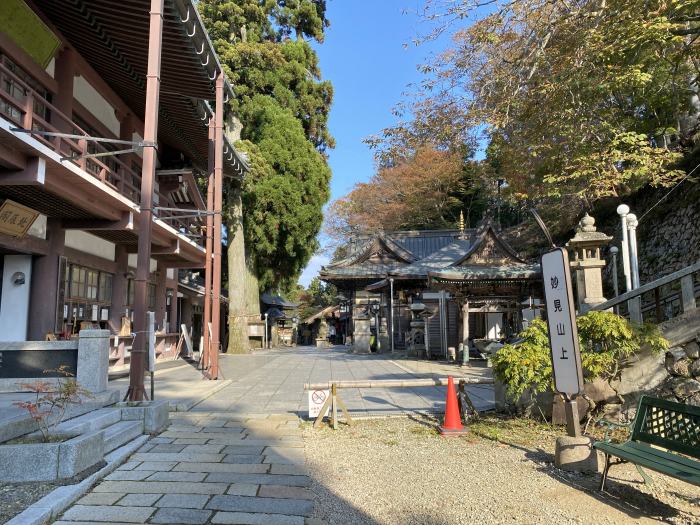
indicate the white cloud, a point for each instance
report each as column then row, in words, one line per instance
column 313, row 268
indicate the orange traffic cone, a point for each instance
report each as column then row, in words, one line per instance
column 452, row 424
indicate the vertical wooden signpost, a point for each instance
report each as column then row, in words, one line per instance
column 563, row 337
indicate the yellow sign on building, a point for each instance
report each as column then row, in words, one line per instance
column 16, row 219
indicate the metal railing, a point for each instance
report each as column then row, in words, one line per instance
column 680, row 297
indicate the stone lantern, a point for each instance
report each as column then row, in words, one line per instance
column 585, row 260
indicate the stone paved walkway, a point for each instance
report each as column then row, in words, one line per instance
column 271, row 382
column 207, row 468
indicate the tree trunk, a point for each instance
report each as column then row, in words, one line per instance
column 237, row 270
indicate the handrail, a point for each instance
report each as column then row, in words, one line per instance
column 398, row 383
column 675, row 276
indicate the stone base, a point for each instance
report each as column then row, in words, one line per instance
column 154, row 414
column 576, row 454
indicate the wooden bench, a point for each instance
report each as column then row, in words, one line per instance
column 665, row 437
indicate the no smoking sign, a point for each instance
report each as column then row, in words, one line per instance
column 316, row 400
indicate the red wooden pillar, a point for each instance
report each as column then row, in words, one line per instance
column 136, row 390
column 218, row 204
column 205, row 353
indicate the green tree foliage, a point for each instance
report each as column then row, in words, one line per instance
column 607, row 343
column 283, row 106
column 577, row 95
column 317, row 296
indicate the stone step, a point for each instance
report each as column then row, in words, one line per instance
column 121, row 433
column 95, row 420
column 21, row 423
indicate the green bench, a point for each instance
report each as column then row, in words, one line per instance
column 665, row 437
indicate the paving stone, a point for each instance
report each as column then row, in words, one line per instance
column 238, row 468
column 161, row 440
column 61, row 522
column 103, row 513
column 282, row 491
column 259, row 479
column 214, row 422
column 178, row 476
column 102, row 498
column 273, row 443
column 146, row 447
column 183, row 501
column 139, row 500
column 264, row 505
column 293, row 470
column 129, row 465
column 284, row 460
column 165, row 456
column 243, row 489
column 175, row 515
column 181, row 428
column 234, row 424
column 202, row 449
column 129, row 475
column 181, row 434
column 246, row 518
column 190, row 441
column 157, row 465
column 242, row 449
column 168, row 447
column 242, row 458
column 166, row 487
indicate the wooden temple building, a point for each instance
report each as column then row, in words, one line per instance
column 461, row 285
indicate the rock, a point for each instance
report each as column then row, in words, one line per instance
column 694, row 368
column 686, row 388
column 601, row 392
column 679, row 368
column 692, row 350
column 694, row 400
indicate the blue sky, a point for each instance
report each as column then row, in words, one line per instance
column 364, row 57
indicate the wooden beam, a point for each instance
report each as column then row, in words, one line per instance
column 125, row 223
column 172, row 249
column 34, row 174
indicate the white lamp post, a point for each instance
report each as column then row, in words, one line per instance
column 622, row 211
column 634, row 261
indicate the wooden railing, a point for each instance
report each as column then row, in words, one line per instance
column 21, row 111
column 659, row 300
column 112, row 171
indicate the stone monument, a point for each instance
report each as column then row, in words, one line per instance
column 587, row 263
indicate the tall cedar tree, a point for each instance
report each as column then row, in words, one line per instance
column 283, row 106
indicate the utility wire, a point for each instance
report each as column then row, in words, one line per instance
column 669, row 192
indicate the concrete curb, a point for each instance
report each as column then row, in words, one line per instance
column 58, row 500
column 187, row 404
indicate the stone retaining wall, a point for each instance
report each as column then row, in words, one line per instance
column 683, row 382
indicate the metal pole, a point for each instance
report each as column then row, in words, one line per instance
column 634, row 261
column 218, row 197
column 265, row 338
column 613, row 253
column 391, row 313
column 208, row 250
column 398, row 383
column 136, row 389
column 622, row 211
column 465, row 333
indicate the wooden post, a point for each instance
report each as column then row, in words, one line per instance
column 218, row 205
column 204, row 351
column 687, row 293
column 659, row 310
column 334, row 407
column 136, row 390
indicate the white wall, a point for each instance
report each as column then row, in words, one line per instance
column 133, row 259
column 494, row 325
column 89, row 243
column 96, row 104
column 14, row 303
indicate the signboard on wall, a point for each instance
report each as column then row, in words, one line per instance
column 16, row 219
column 561, row 320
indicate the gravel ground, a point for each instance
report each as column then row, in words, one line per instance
column 399, row 471
column 15, row 497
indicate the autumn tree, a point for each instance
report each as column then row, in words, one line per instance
column 580, row 98
column 423, row 190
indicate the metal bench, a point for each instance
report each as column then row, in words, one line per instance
column 665, row 437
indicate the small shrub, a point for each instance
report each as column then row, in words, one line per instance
column 52, row 399
column 607, row 342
